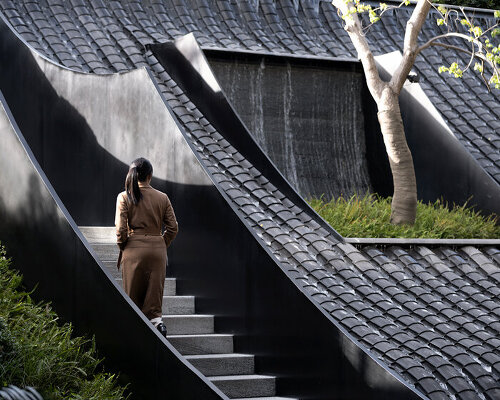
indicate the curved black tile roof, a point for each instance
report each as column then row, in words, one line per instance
column 100, row 42
column 430, row 314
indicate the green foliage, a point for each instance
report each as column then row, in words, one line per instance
column 37, row 351
column 453, row 69
column 357, row 7
column 369, row 215
column 481, row 47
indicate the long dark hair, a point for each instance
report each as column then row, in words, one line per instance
column 139, row 170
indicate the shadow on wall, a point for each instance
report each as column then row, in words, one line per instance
column 86, row 176
column 47, row 248
column 59, row 137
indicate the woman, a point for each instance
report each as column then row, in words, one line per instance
column 141, row 214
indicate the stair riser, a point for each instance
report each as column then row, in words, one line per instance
column 169, row 286
column 107, row 252
column 175, row 305
column 99, row 234
column 202, row 345
column 183, row 325
column 236, row 365
column 111, row 268
column 247, row 388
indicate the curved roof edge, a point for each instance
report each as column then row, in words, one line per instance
column 192, row 65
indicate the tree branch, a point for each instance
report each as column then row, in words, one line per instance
column 457, row 48
column 463, row 36
column 472, row 54
column 355, row 31
column 413, row 27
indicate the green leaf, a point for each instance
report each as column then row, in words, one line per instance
column 478, row 67
column 373, row 16
column 455, row 70
column 383, row 6
column 495, row 32
column 496, row 13
column 440, row 21
column 476, row 30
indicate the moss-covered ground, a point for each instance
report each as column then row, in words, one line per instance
column 368, row 216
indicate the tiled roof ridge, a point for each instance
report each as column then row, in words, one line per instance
column 371, row 297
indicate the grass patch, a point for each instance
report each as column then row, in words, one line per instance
column 35, row 350
column 368, row 216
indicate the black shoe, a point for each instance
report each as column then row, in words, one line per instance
column 162, row 329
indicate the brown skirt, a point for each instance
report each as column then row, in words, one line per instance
column 144, row 262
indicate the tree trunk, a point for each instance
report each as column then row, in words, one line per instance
column 404, row 200
column 386, row 95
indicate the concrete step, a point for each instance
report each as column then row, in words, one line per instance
column 106, row 251
column 202, row 343
column 111, row 268
column 175, row 305
column 235, row 386
column 99, row 234
column 189, row 324
column 223, row 364
column 169, row 287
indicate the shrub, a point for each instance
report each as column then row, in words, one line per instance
column 368, row 216
column 35, row 350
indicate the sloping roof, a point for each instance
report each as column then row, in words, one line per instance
column 100, row 42
column 431, row 315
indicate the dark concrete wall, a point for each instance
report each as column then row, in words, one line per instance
column 308, row 117
column 47, row 247
column 86, row 129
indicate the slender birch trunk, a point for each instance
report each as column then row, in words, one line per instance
column 404, row 200
column 386, row 95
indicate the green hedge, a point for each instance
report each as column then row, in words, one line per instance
column 36, row 350
column 368, row 216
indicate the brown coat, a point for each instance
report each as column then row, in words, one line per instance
column 144, row 246
column 153, row 212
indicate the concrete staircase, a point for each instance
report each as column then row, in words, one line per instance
column 193, row 334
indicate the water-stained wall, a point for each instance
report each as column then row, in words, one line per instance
column 307, row 117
